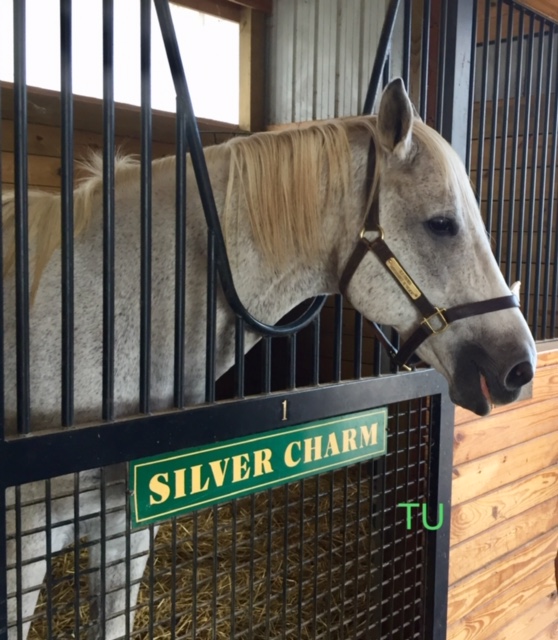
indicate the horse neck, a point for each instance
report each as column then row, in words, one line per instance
column 272, row 292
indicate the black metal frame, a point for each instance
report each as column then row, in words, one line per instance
column 37, row 457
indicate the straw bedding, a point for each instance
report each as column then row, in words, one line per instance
column 293, row 562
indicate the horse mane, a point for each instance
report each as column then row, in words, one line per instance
column 284, row 179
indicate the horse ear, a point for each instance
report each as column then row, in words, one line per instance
column 395, row 119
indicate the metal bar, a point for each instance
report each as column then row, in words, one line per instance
column 407, row 42
column 515, row 143
column 19, row 562
column 357, row 363
column 206, row 194
column 532, row 187
column 180, row 258
column 442, row 52
column 266, row 365
column 549, row 294
column 381, row 56
column 524, row 165
column 484, row 91
column 494, row 125
column 76, row 558
column 239, row 349
column 108, row 210
column 2, row 390
column 338, row 338
column 211, row 319
column 67, row 221
column 145, row 205
column 471, row 109
column 542, row 188
column 292, row 360
column 316, row 352
column 53, row 454
column 21, row 221
column 439, row 492
column 424, row 58
column 504, row 137
column 49, row 609
column 3, row 568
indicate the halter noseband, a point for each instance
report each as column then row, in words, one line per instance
column 435, row 320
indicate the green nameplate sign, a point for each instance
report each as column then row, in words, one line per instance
column 173, row 484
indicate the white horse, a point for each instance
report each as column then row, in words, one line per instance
column 292, row 205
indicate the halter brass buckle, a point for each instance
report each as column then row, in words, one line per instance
column 444, row 324
column 377, row 230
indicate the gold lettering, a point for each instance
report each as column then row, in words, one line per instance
column 332, row 448
column 349, row 440
column 241, row 470
column 180, row 483
column 368, row 435
column 156, row 485
column 262, row 462
column 289, row 460
column 315, row 448
column 219, row 470
column 197, row 478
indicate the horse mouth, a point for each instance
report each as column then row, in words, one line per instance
column 486, row 391
column 477, row 388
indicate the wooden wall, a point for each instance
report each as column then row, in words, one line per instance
column 504, row 530
column 44, row 134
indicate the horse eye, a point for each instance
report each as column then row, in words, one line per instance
column 442, row 226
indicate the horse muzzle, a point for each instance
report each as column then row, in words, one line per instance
column 480, row 383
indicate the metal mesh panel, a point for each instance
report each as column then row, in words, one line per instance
column 326, row 557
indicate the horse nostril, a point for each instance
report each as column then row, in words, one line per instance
column 520, row 375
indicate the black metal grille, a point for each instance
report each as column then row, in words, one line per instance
column 325, row 557
column 513, row 151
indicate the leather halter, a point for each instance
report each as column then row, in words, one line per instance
column 435, row 320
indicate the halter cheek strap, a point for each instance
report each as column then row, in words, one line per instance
column 435, row 320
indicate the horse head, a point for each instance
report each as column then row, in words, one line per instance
column 429, row 248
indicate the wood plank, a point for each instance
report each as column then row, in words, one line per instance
column 508, row 144
column 252, row 70
column 479, row 112
column 482, row 513
column 545, row 386
column 44, row 108
column 218, row 8
column 44, row 140
column 500, row 431
column 531, row 623
column 258, row 5
column 493, row 471
column 550, row 633
column 493, row 32
column 495, row 578
column 501, row 539
column 43, row 171
column 497, row 193
column 547, row 8
column 502, row 609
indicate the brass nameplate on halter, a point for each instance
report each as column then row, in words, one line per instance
column 403, row 278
